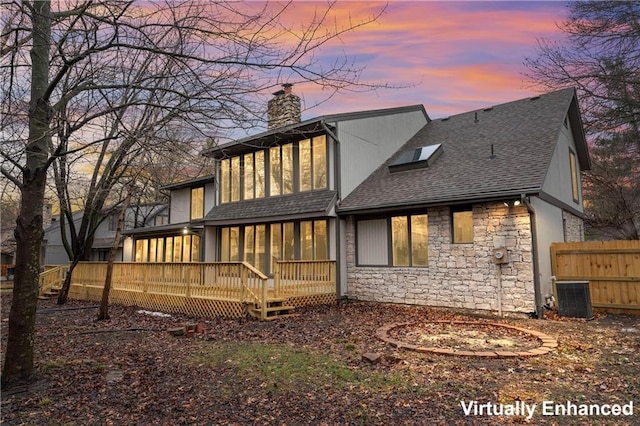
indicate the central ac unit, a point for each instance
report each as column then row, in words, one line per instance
column 574, row 299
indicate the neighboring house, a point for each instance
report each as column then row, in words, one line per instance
column 412, row 210
column 178, row 238
column 53, row 252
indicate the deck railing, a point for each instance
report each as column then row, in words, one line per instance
column 200, row 289
column 52, row 278
column 304, row 277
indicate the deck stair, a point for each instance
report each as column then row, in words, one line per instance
column 49, row 293
column 275, row 309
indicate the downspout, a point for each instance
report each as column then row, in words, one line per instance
column 337, row 235
column 534, row 254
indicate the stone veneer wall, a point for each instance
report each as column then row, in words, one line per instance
column 573, row 227
column 459, row 275
column 283, row 109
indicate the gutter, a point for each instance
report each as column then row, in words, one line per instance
column 534, row 254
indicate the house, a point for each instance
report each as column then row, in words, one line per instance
column 464, row 213
column 455, row 212
column 274, row 195
column 54, row 253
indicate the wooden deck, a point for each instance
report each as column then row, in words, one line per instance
column 229, row 289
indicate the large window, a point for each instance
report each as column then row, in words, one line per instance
column 179, row 248
column 298, row 166
column 462, row 224
column 575, row 187
column 306, row 240
column 197, row 203
column 395, row 241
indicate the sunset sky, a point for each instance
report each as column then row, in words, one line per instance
column 457, row 56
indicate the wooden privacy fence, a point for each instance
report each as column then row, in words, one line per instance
column 198, row 289
column 611, row 267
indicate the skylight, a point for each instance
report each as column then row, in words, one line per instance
column 416, row 158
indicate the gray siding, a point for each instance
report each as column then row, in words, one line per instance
column 549, row 230
column 180, row 205
column 372, row 248
column 367, row 143
column 557, row 182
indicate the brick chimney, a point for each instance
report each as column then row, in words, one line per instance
column 283, row 108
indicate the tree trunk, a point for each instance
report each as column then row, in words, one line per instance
column 18, row 362
column 66, row 284
column 104, row 303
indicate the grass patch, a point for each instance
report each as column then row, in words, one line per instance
column 287, row 367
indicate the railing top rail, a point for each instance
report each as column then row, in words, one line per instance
column 305, row 261
column 52, row 271
column 255, row 271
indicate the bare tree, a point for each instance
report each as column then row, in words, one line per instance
column 600, row 56
column 106, row 73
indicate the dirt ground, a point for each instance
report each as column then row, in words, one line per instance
column 309, row 369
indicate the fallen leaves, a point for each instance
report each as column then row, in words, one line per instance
column 303, row 370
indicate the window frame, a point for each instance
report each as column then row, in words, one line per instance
column 575, row 178
column 461, row 209
column 200, row 213
column 164, row 249
column 239, row 174
column 390, row 240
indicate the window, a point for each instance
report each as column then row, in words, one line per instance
column 249, row 177
column 400, row 241
column 235, row 179
column 275, row 171
column 197, row 203
column 168, row 249
column 230, row 244
column 306, row 240
column 396, row 241
column 282, row 241
column 462, row 224
column 254, row 246
column 299, row 166
column 225, row 167
column 409, row 240
column 575, row 188
column 313, row 240
column 313, row 163
column 230, row 180
column 281, row 169
column 416, row 158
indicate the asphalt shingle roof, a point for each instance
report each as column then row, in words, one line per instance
column 302, row 203
column 523, row 133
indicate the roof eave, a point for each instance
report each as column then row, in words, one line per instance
column 464, row 199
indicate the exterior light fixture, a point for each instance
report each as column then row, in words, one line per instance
column 185, row 230
column 513, row 203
